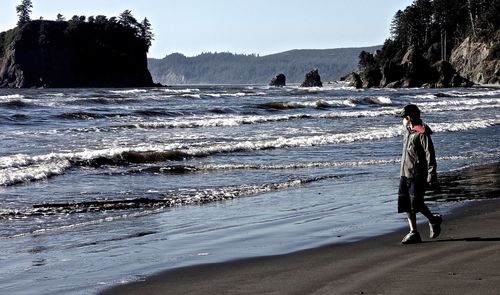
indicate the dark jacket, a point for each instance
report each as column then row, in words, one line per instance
column 418, row 160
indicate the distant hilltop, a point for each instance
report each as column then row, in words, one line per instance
column 93, row 52
column 229, row 68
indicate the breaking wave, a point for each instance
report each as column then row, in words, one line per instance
column 131, row 91
column 22, row 168
column 322, row 103
column 172, row 199
column 381, row 100
column 80, row 116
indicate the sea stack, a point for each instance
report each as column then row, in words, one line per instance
column 73, row 53
column 278, row 81
column 312, row 79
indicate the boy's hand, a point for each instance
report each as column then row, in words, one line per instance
column 432, row 181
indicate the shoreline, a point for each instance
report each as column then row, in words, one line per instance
column 463, row 259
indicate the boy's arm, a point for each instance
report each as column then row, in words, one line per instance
column 430, row 156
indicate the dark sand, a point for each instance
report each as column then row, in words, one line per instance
column 465, row 259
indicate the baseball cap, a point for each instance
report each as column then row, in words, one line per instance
column 411, row 111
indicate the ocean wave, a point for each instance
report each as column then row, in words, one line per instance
column 321, row 103
column 17, row 117
column 35, row 172
column 184, row 169
column 80, row 116
column 424, row 96
column 157, row 113
column 26, row 168
column 288, row 166
column 131, row 91
column 381, row 100
column 197, row 96
column 455, row 93
column 11, row 97
column 463, row 126
column 15, row 103
column 171, row 199
column 462, row 102
column 55, row 94
column 212, row 121
column 182, row 91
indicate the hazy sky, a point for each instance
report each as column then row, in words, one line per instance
column 246, row 26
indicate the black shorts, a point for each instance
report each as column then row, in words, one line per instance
column 410, row 195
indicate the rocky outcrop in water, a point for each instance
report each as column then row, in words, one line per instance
column 414, row 70
column 70, row 54
column 353, row 80
column 279, row 80
column 312, row 79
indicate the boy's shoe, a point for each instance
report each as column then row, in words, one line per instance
column 411, row 238
column 435, row 226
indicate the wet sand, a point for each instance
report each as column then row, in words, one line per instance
column 465, row 259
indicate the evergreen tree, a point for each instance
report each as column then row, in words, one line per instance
column 60, row 18
column 146, row 33
column 24, row 11
column 128, row 20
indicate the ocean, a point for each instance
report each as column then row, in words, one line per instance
column 100, row 187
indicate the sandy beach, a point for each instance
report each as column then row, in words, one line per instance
column 465, row 259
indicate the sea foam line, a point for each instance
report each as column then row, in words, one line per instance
column 172, row 199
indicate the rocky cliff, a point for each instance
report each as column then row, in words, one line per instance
column 414, row 70
column 478, row 61
column 73, row 54
column 437, row 43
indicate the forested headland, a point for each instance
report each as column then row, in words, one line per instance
column 79, row 52
column 437, row 43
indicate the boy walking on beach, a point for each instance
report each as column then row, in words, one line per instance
column 418, row 170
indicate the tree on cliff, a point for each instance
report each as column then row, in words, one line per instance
column 146, row 32
column 141, row 30
column 24, row 11
column 60, row 18
column 128, row 20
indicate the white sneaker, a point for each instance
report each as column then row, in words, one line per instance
column 435, row 226
column 412, row 238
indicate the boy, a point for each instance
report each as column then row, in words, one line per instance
column 418, row 170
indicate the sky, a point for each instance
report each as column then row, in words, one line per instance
column 259, row 27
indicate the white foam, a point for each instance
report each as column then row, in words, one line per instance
column 425, row 96
column 131, row 91
column 462, row 102
column 34, row 172
column 296, row 165
column 473, row 94
column 330, row 103
column 383, row 100
column 374, row 133
column 11, row 97
column 177, row 91
column 216, row 95
column 463, row 126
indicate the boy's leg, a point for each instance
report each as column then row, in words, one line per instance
column 434, row 221
column 413, row 236
column 412, row 221
column 427, row 213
